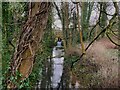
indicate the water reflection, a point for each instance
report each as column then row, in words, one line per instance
column 57, row 66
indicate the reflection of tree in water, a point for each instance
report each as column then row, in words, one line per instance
column 46, row 73
column 52, row 71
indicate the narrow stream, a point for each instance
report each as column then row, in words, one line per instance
column 57, row 71
column 57, row 66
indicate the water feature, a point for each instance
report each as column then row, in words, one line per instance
column 57, row 66
column 57, row 70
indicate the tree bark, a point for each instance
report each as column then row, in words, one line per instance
column 81, row 37
column 63, row 26
column 31, row 35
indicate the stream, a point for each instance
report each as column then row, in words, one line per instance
column 57, row 66
column 56, row 70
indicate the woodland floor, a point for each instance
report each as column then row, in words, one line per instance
column 99, row 67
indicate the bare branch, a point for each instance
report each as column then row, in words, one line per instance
column 58, row 11
column 74, row 2
column 106, row 13
column 111, row 23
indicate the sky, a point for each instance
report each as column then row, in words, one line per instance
column 94, row 15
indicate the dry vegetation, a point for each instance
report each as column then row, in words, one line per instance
column 105, row 54
column 100, row 67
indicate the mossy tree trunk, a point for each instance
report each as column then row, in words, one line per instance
column 74, row 31
column 80, row 31
column 63, row 26
column 28, row 43
column 85, row 17
column 103, row 16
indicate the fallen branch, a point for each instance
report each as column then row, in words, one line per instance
column 111, row 23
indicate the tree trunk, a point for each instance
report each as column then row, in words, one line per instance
column 85, row 17
column 74, row 31
column 63, row 26
column 103, row 18
column 28, row 43
column 81, row 37
column 67, row 24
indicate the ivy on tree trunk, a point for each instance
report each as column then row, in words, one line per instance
column 31, row 35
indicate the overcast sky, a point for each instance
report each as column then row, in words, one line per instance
column 94, row 15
